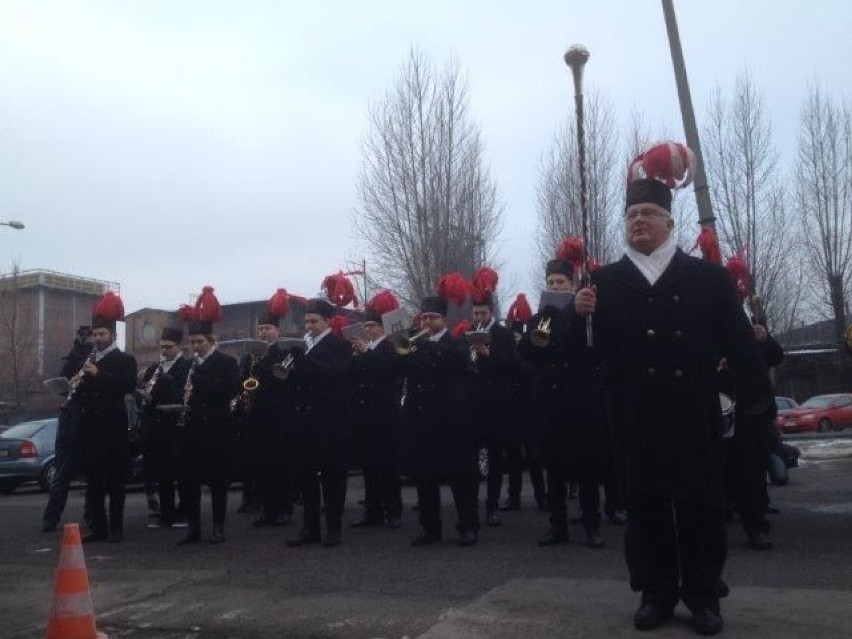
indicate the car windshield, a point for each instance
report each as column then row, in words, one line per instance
column 782, row 403
column 822, row 401
column 23, row 431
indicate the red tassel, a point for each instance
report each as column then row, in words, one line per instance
column 484, row 282
column 671, row 163
column 738, row 269
column 460, row 329
column 337, row 323
column 383, row 302
column 207, row 306
column 520, row 310
column 339, row 290
column 571, row 251
column 187, row 314
column 109, row 307
column 278, row 303
column 452, row 287
column 709, row 246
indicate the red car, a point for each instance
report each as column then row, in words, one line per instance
column 822, row 413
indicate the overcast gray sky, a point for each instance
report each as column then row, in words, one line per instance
column 166, row 145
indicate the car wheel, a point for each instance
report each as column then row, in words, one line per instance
column 824, row 425
column 47, row 475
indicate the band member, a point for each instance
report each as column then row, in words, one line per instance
column 376, row 394
column 661, row 322
column 207, row 437
column 438, row 443
column 566, row 391
column 106, row 377
column 161, row 397
column 519, row 452
column 489, row 385
column 67, row 436
column 264, row 410
column 318, row 432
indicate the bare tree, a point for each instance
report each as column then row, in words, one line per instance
column 823, row 176
column 18, row 346
column 428, row 204
column 754, row 220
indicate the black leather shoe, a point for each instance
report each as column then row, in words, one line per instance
column 332, row 539
column 554, row 535
column 393, row 522
column 364, row 521
column 468, row 538
column 707, row 621
column 759, row 541
column 49, row 526
column 93, row 535
column 650, row 616
column 493, row 518
column 217, row 536
column 424, row 538
column 512, row 503
column 192, row 537
column 303, row 539
column 594, row 539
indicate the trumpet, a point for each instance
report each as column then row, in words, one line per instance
column 404, row 345
column 282, row 369
column 542, row 330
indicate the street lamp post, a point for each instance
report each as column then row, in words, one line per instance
column 14, row 224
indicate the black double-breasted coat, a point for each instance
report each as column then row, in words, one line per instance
column 376, row 393
column 161, row 437
column 263, row 417
column 103, row 425
column 660, row 346
column 208, row 436
column 318, row 427
column 489, row 387
column 437, row 438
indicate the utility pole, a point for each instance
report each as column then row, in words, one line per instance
column 702, row 193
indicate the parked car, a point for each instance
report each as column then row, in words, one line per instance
column 27, row 454
column 783, row 406
column 822, row 413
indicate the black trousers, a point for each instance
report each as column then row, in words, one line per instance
column 190, row 497
column 275, row 487
column 382, row 492
column 494, row 484
column 675, row 549
column 166, row 487
column 464, row 489
column 516, row 456
column 98, row 486
column 613, row 495
column 559, row 473
column 333, row 484
column 745, row 467
column 66, row 469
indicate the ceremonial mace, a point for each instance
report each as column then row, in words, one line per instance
column 576, row 58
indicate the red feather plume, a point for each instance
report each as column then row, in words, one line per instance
column 460, row 329
column 207, row 306
column 383, row 302
column 278, row 303
column 571, row 250
column 416, row 321
column 109, row 307
column 709, row 246
column 738, row 269
column 483, row 283
column 337, row 323
column 520, row 310
column 452, row 287
column 671, row 163
column 339, row 290
column 187, row 314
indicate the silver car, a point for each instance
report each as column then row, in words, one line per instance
column 27, row 453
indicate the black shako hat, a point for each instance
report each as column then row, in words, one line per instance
column 172, row 334
column 265, row 317
column 319, row 306
column 434, row 304
column 648, row 191
column 560, row 266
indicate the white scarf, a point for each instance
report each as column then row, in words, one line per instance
column 654, row 265
column 437, row 336
column 313, row 341
column 372, row 345
column 99, row 355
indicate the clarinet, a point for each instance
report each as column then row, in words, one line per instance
column 78, row 380
column 187, row 393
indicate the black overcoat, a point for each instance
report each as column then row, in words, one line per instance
column 489, row 387
column 660, row 346
column 318, row 427
column 264, row 421
column 160, row 432
column 437, row 438
column 376, row 386
column 208, row 436
column 103, row 425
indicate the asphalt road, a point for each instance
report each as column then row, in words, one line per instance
column 377, row 586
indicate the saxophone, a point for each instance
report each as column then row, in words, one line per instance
column 250, row 385
column 77, row 380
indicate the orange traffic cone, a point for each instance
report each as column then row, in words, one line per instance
column 72, row 615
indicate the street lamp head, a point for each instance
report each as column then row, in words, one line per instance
column 16, row 225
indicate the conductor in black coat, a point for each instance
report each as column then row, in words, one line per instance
column 104, row 438
column 662, row 321
column 377, row 386
column 318, row 429
column 437, row 440
column 207, row 435
column 161, row 396
column 489, row 388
